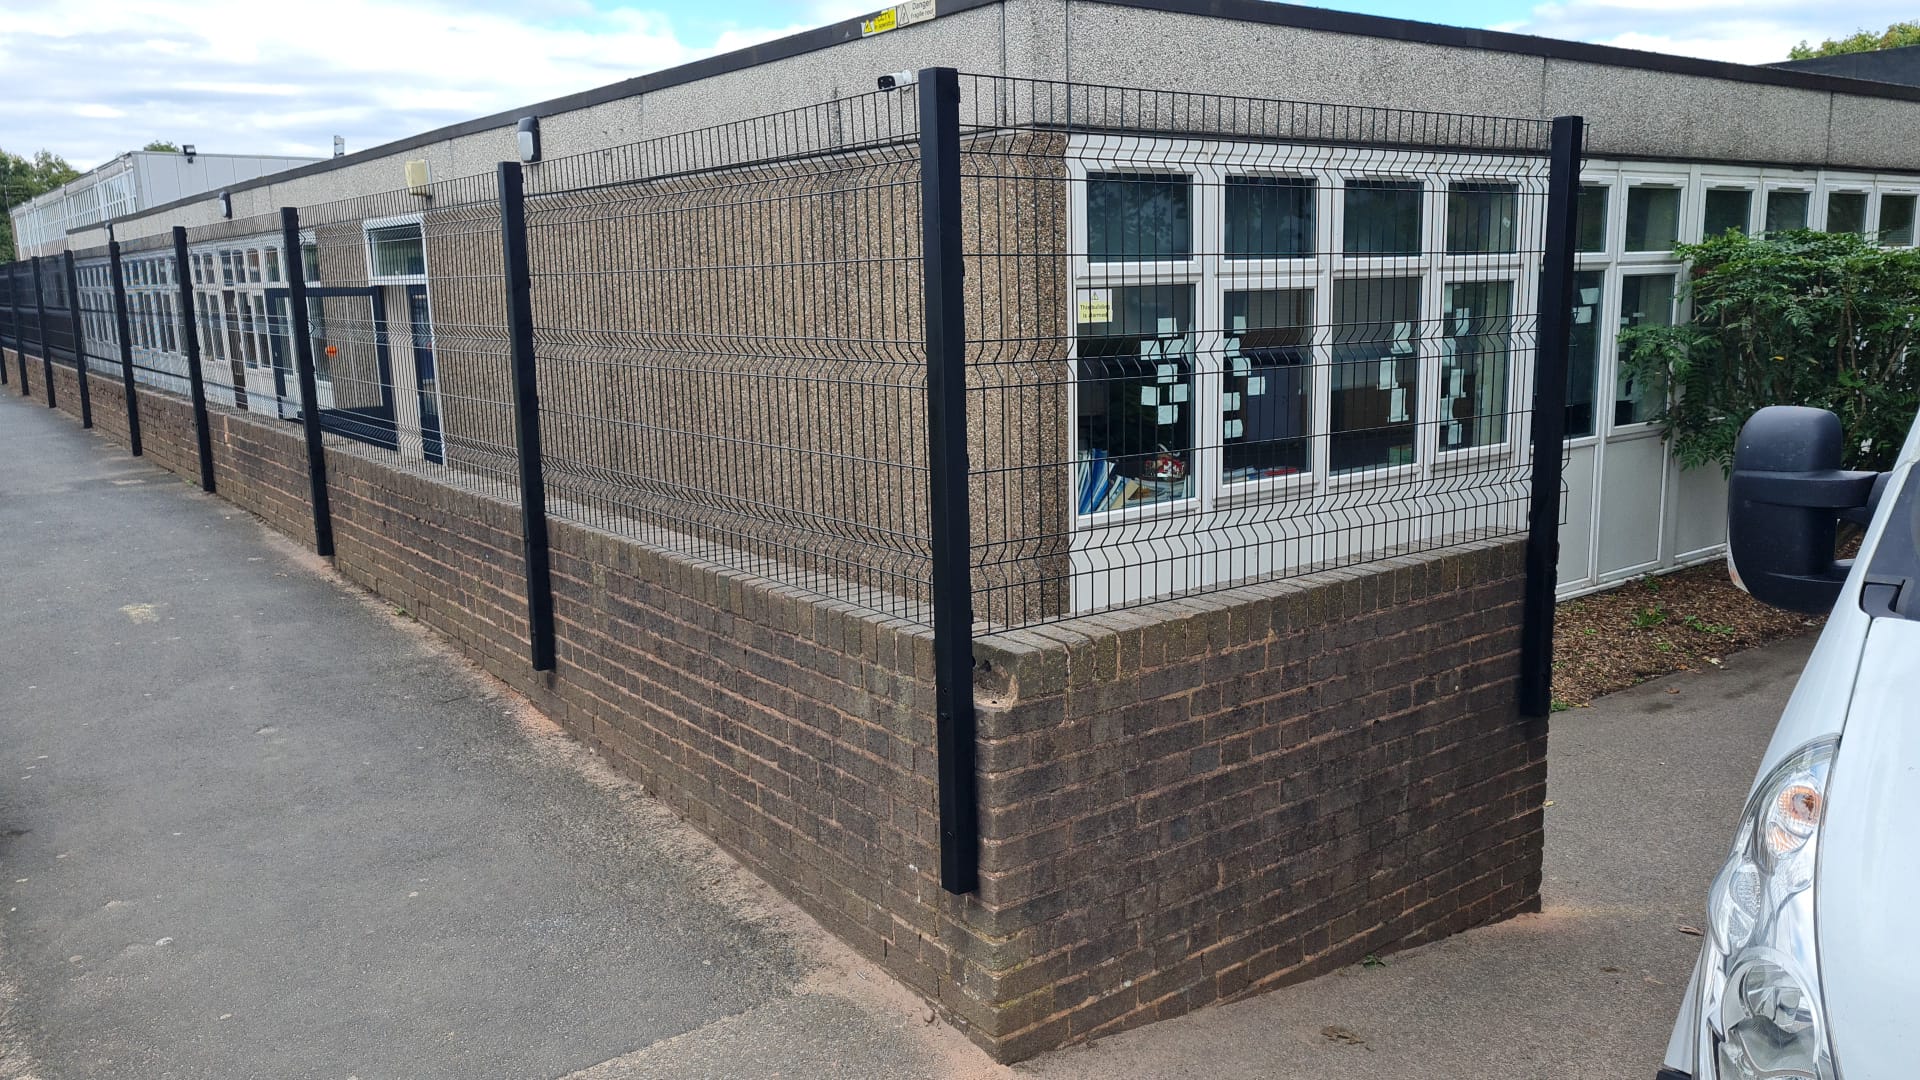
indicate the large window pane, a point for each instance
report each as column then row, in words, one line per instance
column 1376, row 372
column 1269, row 217
column 1139, row 217
column 1482, row 218
column 1382, row 217
column 1653, row 218
column 397, row 251
column 1847, row 212
column 1266, row 380
column 1476, row 353
column 1583, row 354
column 1645, row 300
column 1727, row 208
column 1786, row 210
column 1591, row 218
column 1896, row 220
column 1135, row 395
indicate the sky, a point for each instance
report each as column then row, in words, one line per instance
column 90, row 79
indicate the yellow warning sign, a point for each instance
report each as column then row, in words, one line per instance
column 897, row 16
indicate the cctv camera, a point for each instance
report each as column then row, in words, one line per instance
column 897, row 80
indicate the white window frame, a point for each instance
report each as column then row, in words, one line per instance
column 367, row 229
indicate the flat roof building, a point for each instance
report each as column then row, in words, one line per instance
column 127, row 185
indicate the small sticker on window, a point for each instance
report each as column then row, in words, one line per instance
column 1096, row 306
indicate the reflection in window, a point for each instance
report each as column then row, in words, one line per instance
column 1269, row 217
column 1645, row 300
column 1376, row 372
column 1266, row 379
column 1727, row 208
column 1382, row 217
column 1847, row 212
column 1653, row 218
column 1896, row 220
column 1583, row 353
column 1135, row 395
column 1476, row 352
column 1482, row 218
column 1786, row 211
column 1135, row 217
column 1590, row 218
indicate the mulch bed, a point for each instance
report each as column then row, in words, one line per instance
column 1656, row 626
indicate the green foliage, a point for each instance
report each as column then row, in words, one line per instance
column 1898, row 35
column 1797, row 318
column 1649, row 616
column 22, row 179
column 162, row 146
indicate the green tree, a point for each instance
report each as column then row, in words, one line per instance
column 162, row 146
column 1898, row 35
column 22, row 179
column 1796, row 318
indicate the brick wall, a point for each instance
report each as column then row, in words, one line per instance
column 1181, row 804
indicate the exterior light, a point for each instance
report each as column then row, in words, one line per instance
column 226, row 205
column 528, row 137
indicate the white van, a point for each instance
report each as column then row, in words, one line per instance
column 1807, row 969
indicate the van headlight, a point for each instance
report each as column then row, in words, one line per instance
column 1760, row 1008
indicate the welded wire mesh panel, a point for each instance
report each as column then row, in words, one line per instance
column 58, row 327
column 153, row 313
column 26, row 319
column 99, row 336
column 729, row 331
column 407, row 311
column 1215, row 340
column 237, row 270
column 9, row 323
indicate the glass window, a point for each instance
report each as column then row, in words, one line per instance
column 1376, row 372
column 1590, row 218
column 1136, row 217
column 397, row 251
column 1476, row 352
column 1847, row 212
column 1135, row 395
column 1786, row 210
column 1382, row 217
column 1727, row 208
column 1896, row 220
column 1482, row 218
column 1645, row 300
column 1653, row 218
column 310, row 262
column 273, row 266
column 1269, row 217
column 1266, row 383
column 1583, row 353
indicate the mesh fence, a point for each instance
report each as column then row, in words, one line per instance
column 1209, row 339
column 20, row 301
column 731, row 351
column 58, row 312
column 1214, row 339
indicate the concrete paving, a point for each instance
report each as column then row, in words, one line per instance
column 254, row 826
column 259, row 826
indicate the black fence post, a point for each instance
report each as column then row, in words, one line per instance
column 299, row 325
column 9, row 326
column 951, row 516
column 121, row 331
column 79, row 340
column 526, row 417
column 19, row 326
column 40, row 329
column 1552, row 344
column 190, row 344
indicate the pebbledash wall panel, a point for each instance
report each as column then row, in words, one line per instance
column 1180, row 804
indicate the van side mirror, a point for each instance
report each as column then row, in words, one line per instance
column 1784, row 500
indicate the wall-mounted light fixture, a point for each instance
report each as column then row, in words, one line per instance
column 528, row 137
column 420, row 177
column 339, row 146
column 226, row 205
column 188, row 150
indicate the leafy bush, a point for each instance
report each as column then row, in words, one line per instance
column 1798, row 318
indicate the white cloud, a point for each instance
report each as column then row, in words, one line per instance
column 244, row 77
column 1741, row 31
